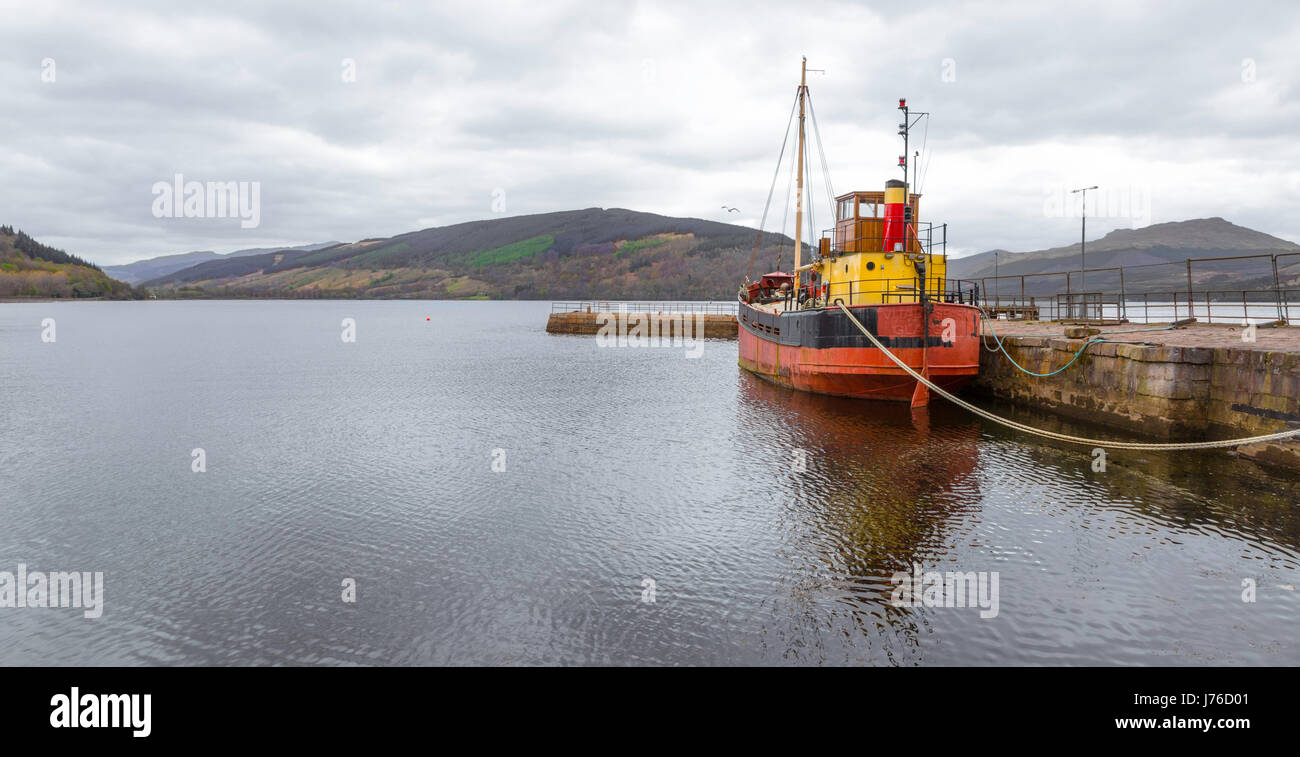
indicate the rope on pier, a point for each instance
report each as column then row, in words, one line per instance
column 1114, row 444
column 984, row 324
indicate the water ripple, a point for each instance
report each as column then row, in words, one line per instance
column 374, row 462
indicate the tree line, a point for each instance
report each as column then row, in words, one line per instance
column 33, row 249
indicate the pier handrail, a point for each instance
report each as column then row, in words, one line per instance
column 1211, row 305
column 1127, row 279
column 709, row 307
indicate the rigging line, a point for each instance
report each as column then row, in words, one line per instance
column 925, row 171
column 1114, row 444
column 807, row 164
column 925, row 138
column 775, row 173
column 812, row 217
column 785, row 216
column 826, row 171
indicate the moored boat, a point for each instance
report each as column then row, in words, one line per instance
column 879, row 266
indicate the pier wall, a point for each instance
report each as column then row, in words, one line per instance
column 1175, row 393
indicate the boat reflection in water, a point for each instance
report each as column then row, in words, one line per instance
column 1140, row 562
column 883, row 488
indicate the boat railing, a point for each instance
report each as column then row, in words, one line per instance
column 929, row 239
column 877, row 290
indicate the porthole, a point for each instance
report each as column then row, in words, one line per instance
column 871, row 265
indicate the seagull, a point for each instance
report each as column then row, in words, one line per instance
column 730, row 210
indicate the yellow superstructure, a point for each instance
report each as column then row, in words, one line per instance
column 872, row 261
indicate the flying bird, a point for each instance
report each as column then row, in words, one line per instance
column 730, row 210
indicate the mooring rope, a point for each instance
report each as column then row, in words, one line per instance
column 1114, row 444
column 984, row 324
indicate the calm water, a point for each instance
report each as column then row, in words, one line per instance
column 373, row 461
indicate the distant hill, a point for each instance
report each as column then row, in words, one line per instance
column 606, row 253
column 1153, row 256
column 623, row 254
column 31, row 269
column 143, row 270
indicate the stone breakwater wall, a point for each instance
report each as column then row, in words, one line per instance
column 1175, row 393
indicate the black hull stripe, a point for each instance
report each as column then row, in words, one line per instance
column 825, row 329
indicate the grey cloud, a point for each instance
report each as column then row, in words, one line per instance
column 674, row 108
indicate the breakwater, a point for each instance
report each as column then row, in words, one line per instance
column 1187, row 384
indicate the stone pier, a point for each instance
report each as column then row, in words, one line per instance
column 1196, row 382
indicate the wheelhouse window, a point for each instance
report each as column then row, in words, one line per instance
column 867, row 208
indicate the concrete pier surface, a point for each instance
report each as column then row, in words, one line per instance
column 1194, row 382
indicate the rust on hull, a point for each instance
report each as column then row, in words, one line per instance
column 820, row 350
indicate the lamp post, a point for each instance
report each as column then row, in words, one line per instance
column 1083, row 236
column 996, row 281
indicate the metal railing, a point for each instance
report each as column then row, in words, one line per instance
column 861, row 291
column 644, row 306
column 1088, row 306
column 1209, row 306
column 929, row 239
column 1122, row 292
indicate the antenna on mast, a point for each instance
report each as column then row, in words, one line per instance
column 904, row 131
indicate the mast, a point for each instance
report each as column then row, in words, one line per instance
column 903, row 129
column 798, row 213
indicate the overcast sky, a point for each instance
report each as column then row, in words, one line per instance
column 1177, row 110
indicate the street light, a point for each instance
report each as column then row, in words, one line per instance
column 996, row 281
column 1083, row 237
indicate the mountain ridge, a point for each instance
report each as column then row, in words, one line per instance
column 592, row 252
column 1158, row 243
column 139, row 271
column 618, row 253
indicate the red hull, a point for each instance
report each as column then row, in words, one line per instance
column 864, row 371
